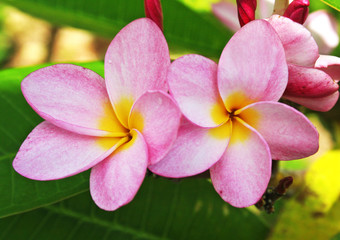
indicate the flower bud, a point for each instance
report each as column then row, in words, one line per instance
column 297, row 11
column 246, row 11
column 153, row 10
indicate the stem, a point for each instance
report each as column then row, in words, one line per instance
column 280, row 6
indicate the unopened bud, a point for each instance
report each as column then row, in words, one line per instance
column 297, row 11
column 246, row 11
column 153, row 10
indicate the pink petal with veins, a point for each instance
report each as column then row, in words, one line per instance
column 115, row 181
column 242, row 175
column 156, row 116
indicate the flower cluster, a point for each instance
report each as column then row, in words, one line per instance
column 313, row 78
column 182, row 118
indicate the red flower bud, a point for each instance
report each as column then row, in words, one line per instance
column 246, row 11
column 297, row 11
column 153, row 10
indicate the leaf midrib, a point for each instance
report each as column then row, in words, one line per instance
column 113, row 226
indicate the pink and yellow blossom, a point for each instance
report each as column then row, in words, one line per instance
column 117, row 126
column 309, row 84
column 233, row 124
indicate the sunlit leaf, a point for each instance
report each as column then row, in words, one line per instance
column 323, row 180
column 333, row 3
column 200, row 5
column 314, row 213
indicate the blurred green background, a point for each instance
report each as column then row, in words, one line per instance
column 37, row 33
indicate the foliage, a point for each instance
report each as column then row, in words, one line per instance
column 163, row 209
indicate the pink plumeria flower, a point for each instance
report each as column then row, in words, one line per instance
column 322, row 24
column 117, row 127
column 310, row 83
column 236, row 126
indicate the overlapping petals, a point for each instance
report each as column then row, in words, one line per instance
column 73, row 98
column 321, row 24
column 250, row 78
column 50, row 152
column 309, row 83
column 321, row 104
column 192, row 79
column 330, row 65
column 141, row 66
column 117, row 126
column 301, row 49
column 116, row 180
column 195, row 150
column 235, row 77
column 297, row 138
column 157, row 117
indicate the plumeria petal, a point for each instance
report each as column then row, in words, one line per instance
column 73, row 98
column 243, row 173
column 193, row 83
column 226, row 12
column 115, row 181
column 50, row 152
column 195, row 150
column 252, row 66
column 136, row 61
column 323, row 27
column 330, row 65
column 322, row 104
column 309, row 82
column 288, row 133
column 299, row 45
column 157, row 117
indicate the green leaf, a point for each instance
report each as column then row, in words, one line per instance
column 333, row 3
column 336, row 237
column 185, row 29
column 313, row 213
column 17, row 120
column 162, row 209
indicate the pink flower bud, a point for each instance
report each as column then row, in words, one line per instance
column 153, row 10
column 246, row 11
column 297, row 11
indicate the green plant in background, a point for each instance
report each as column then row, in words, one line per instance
column 5, row 41
column 163, row 209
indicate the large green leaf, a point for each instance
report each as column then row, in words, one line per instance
column 184, row 28
column 333, row 3
column 17, row 120
column 162, row 209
